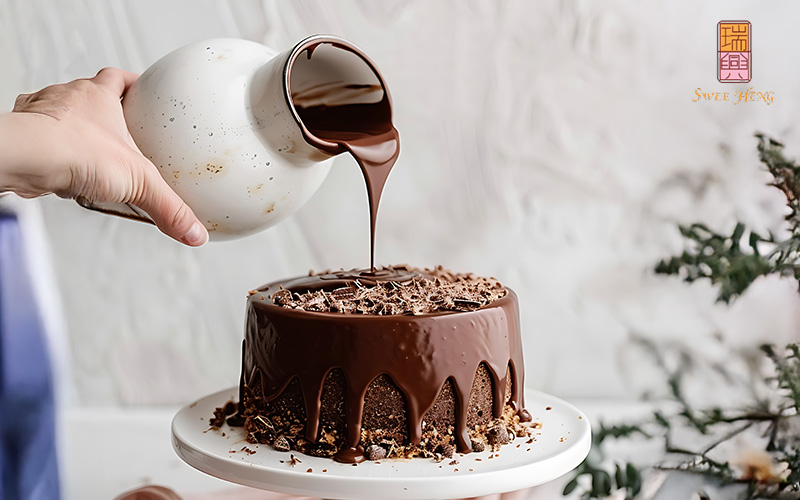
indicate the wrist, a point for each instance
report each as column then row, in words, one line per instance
column 33, row 154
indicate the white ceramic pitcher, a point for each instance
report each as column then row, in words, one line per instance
column 218, row 120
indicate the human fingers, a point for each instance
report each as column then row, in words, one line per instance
column 172, row 216
column 115, row 80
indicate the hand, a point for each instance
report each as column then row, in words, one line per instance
column 71, row 140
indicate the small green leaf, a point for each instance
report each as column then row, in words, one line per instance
column 619, row 476
column 570, row 487
column 601, row 483
column 634, row 479
column 661, row 420
column 754, row 239
column 738, row 231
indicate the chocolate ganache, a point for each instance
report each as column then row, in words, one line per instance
column 419, row 353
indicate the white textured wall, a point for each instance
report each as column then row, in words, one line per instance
column 552, row 144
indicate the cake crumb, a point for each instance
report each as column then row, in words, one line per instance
column 221, row 413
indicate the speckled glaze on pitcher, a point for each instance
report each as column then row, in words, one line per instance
column 218, row 120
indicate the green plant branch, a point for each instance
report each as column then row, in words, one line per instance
column 732, row 262
column 723, row 259
column 730, row 435
column 604, row 482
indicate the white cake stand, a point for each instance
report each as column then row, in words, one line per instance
column 558, row 446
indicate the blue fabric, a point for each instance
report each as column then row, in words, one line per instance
column 27, row 420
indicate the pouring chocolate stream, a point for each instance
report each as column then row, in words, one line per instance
column 364, row 129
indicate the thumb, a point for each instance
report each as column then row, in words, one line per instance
column 172, row 216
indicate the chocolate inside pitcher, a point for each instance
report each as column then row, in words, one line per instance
column 342, row 104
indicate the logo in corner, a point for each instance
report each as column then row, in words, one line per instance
column 734, row 61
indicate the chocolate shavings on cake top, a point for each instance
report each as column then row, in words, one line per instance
column 441, row 290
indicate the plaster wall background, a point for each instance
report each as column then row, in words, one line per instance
column 552, row 144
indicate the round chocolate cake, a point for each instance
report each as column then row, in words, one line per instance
column 394, row 363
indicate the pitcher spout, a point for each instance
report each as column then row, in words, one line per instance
column 322, row 72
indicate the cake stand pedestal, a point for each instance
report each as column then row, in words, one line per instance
column 560, row 445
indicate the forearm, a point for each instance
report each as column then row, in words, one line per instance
column 32, row 154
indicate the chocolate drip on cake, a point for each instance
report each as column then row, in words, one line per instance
column 419, row 353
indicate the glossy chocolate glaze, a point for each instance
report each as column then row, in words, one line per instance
column 364, row 130
column 419, row 353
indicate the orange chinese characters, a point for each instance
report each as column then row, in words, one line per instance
column 734, row 61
